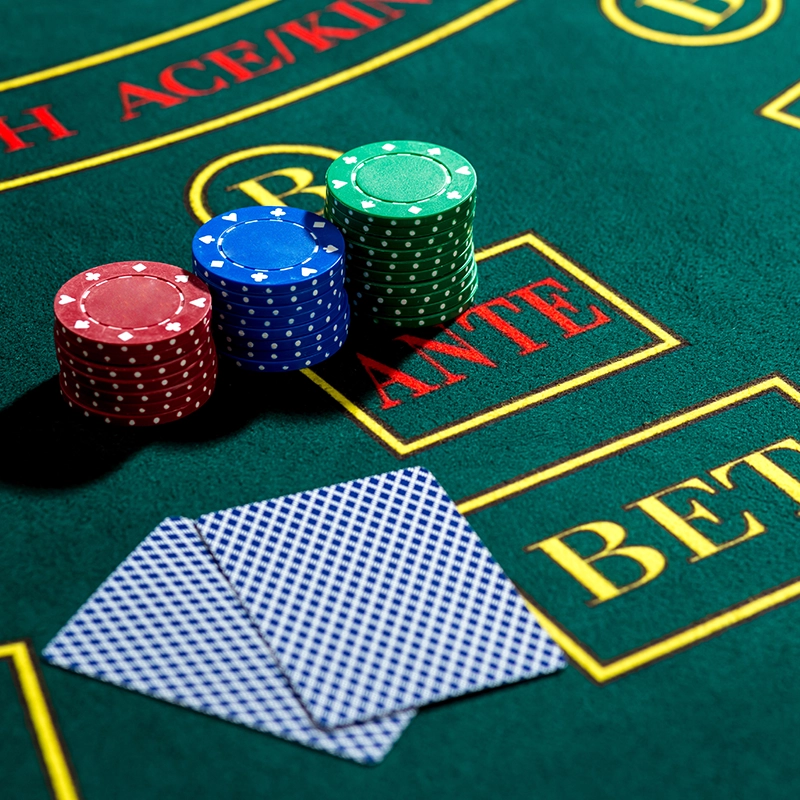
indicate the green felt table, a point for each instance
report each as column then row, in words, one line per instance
column 619, row 416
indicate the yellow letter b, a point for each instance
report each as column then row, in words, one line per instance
column 650, row 560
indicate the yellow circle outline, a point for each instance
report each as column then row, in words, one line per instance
column 772, row 10
column 196, row 193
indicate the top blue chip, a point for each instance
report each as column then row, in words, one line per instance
column 269, row 246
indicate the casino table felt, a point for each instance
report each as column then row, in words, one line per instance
column 628, row 377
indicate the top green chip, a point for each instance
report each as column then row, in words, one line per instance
column 401, row 180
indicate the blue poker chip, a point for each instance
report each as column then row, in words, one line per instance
column 316, row 328
column 283, row 353
column 288, row 365
column 259, row 308
column 289, row 339
column 282, row 327
column 251, row 319
column 284, row 299
column 278, row 247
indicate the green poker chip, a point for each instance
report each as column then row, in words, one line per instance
column 348, row 220
column 406, row 211
column 401, row 180
column 394, row 293
column 398, row 244
column 380, row 232
column 412, row 290
column 345, row 217
column 450, row 250
column 431, row 306
column 411, row 287
column 402, row 278
column 433, row 300
column 382, row 228
column 407, row 265
column 420, row 321
column 385, row 313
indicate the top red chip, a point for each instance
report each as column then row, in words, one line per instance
column 132, row 303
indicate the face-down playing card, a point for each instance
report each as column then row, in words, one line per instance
column 377, row 596
column 167, row 623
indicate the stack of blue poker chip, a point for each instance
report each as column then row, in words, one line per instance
column 276, row 276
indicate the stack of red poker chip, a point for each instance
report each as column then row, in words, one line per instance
column 134, row 343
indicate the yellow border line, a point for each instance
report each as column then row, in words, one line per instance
column 606, row 671
column 204, row 24
column 301, row 93
column 404, row 447
column 47, row 737
column 770, row 14
column 774, row 109
column 612, row 448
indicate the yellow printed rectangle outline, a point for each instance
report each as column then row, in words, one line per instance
column 664, row 341
column 597, row 669
column 37, row 708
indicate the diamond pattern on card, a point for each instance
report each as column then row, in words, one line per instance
column 166, row 623
column 376, row 596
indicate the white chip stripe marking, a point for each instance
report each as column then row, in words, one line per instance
column 319, row 224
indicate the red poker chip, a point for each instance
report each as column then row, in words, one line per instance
column 136, row 393
column 132, row 307
column 116, row 373
column 136, row 390
column 92, row 383
column 132, row 388
column 188, row 406
column 130, row 407
column 99, row 353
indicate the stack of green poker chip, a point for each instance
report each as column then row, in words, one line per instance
column 406, row 211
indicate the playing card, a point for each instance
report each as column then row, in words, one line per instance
column 166, row 623
column 377, row 596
